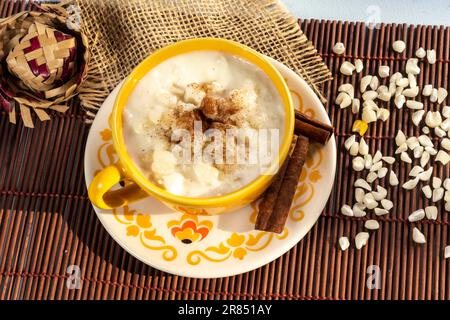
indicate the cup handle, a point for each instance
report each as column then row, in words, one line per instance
column 101, row 196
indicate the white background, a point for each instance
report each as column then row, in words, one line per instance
column 433, row 12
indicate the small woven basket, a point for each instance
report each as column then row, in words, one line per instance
column 43, row 62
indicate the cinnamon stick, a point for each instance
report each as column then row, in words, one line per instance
column 267, row 203
column 277, row 201
column 311, row 128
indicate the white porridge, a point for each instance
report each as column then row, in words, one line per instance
column 201, row 90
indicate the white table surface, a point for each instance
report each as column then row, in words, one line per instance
column 432, row 12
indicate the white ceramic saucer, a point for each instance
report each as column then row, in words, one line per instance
column 217, row 246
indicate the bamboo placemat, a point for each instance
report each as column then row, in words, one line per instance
column 47, row 223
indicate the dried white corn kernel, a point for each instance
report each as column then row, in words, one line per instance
column 412, row 81
column 361, row 239
column 346, row 102
column 394, row 90
column 360, row 183
column 427, row 192
column 372, row 224
column 358, row 164
column 438, row 194
column 364, row 83
column 377, row 156
column 339, row 48
column 368, row 161
column 425, row 130
column 347, row 68
column 359, row 195
column 402, row 82
column 382, row 173
column 447, row 196
column 415, row 105
column 383, row 114
column 374, row 83
column 344, row 243
column 393, row 180
column 370, row 203
column 447, row 206
column 412, row 143
column 434, row 95
column 425, row 141
column 431, row 56
column 417, row 215
column 369, row 115
column 445, row 143
column 380, row 212
column 445, row 125
column 349, row 142
column 442, row 157
column 447, row 252
column 354, row 149
column 363, row 147
column 347, row 211
column 417, row 117
column 426, row 175
column 436, row 182
column 384, row 96
column 405, row 157
column 412, row 67
column 411, row 92
column 415, row 171
column 376, row 166
column 446, row 184
column 402, row 148
column 431, row 212
column 399, row 101
column 355, row 106
column 370, row 105
column 424, row 159
column 380, row 194
column 370, row 95
column 418, row 237
column 439, row 132
column 387, row 204
column 433, row 119
column 421, row 53
column 426, row 91
column 411, row 184
column 347, row 88
column 358, row 210
column 382, row 89
column 389, row 160
column 400, row 138
column 340, row 97
column 399, row 46
column 396, row 76
column 431, row 150
column 446, row 111
column 371, row 177
column 383, row 71
column 441, row 95
column 418, row 152
column 359, row 65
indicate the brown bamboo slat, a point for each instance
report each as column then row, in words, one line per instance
column 47, row 222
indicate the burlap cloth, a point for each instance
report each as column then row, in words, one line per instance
column 123, row 32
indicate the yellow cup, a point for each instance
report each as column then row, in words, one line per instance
column 138, row 187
